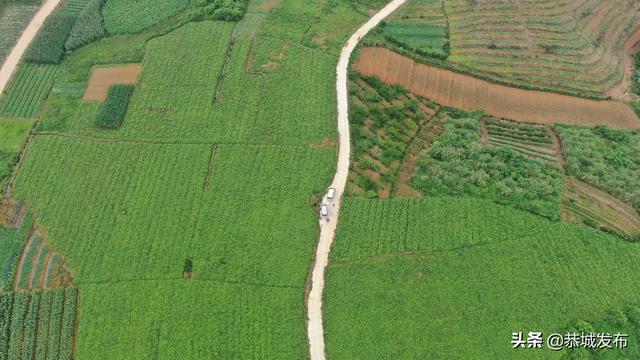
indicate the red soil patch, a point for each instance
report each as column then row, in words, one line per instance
column 103, row 77
column 466, row 92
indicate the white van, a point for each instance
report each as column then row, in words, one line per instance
column 331, row 193
column 324, row 211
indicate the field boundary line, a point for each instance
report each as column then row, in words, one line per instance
column 212, row 158
column 102, row 282
column 315, row 329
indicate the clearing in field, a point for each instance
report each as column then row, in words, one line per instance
column 40, row 267
column 102, row 78
column 465, row 92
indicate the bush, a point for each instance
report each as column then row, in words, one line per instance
column 115, row 107
column 48, row 46
column 88, row 27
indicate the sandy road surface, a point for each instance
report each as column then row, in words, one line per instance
column 12, row 61
column 315, row 330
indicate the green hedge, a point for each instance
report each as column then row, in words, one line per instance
column 48, row 46
column 115, row 107
column 88, row 26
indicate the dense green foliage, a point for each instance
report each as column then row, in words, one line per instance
column 88, row 26
column 27, row 91
column 454, row 277
column 635, row 76
column 48, row 46
column 115, row 107
column 39, row 323
column 605, row 158
column 132, row 16
column 13, row 20
column 458, row 164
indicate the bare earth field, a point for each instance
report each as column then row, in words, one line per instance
column 102, row 78
column 462, row 91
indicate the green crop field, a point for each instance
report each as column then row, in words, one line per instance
column 40, row 324
column 27, row 91
column 454, row 277
column 260, row 108
column 421, row 26
column 13, row 19
column 132, row 16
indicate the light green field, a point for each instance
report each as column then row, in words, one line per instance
column 13, row 134
column 454, row 277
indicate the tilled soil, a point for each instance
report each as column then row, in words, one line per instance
column 466, row 92
column 102, row 78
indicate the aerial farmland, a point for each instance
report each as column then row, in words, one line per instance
column 330, row 179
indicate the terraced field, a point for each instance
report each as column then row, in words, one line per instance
column 391, row 128
column 531, row 140
column 560, row 45
column 582, row 203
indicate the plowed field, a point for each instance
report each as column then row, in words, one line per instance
column 102, row 78
column 466, row 92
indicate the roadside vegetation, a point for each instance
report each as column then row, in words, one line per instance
column 14, row 17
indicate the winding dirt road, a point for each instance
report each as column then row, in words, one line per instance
column 11, row 62
column 315, row 331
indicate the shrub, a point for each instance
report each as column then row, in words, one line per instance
column 88, row 27
column 48, row 46
column 115, row 107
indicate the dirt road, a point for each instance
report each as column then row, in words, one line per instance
column 12, row 61
column 315, row 331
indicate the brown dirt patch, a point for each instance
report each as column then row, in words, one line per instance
column 103, row 77
column 466, row 92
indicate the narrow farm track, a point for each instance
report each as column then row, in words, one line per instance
column 13, row 59
column 315, row 330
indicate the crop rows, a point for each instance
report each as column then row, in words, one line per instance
column 586, row 204
column 13, row 19
column 421, row 26
column 27, row 91
column 41, row 324
column 128, row 17
column 564, row 45
column 451, row 261
column 531, row 140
